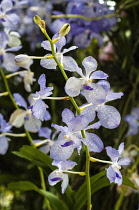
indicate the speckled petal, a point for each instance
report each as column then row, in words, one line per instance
column 48, row 63
column 112, row 153
column 67, row 116
column 89, row 112
column 124, row 161
column 32, row 124
column 57, row 152
column 73, row 86
column 80, row 122
column 93, row 142
column 39, row 109
column 98, row 75
column 105, row 85
column 20, row 100
column 90, row 64
column 95, row 96
column 64, row 183
column 69, row 64
column 109, row 116
column 113, row 96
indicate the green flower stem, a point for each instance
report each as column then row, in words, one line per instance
column 89, row 206
column 26, row 133
column 8, row 89
column 44, row 187
column 83, row 17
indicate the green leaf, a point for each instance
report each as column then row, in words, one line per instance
column 128, row 183
column 44, row 161
column 55, row 202
column 35, row 156
column 22, row 186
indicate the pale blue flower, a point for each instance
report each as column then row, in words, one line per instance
column 60, row 174
column 113, row 173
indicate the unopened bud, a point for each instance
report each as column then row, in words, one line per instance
column 39, row 22
column 64, row 30
column 22, row 60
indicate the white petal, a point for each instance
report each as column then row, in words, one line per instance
column 73, row 86
column 90, row 64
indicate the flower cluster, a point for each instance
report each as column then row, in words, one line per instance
column 75, row 133
column 90, row 25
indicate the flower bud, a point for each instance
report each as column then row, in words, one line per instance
column 39, row 22
column 22, row 60
column 64, row 30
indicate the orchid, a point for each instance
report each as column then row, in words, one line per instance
column 113, row 172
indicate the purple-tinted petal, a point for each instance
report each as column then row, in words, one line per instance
column 67, row 115
column 133, row 130
column 113, row 96
column 68, row 143
column 39, row 109
column 42, row 82
column 98, row 75
column 69, row 64
column 135, row 112
column 82, row 41
column 32, row 124
column 80, row 122
column 3, row 145
column 112, row 153
column 64, row 183
column 90, row 64
column 89, row 112
column 93, row 142
column 64, row 165
column 13, row 49
column 86, row 87
column 121, row 148
column 48, row 63
column 20, row 100
column 60, row 128
column 109, row 116
column 114, row 176
column 47, row 116
column 9, row 63
column 73, row 86
column 45, row 132
column 111, row 174
column 69, row 49
column 60, row 43
column 46, row 45
column 6, row 5
column 57, row 152
column 124, row 161
column 4, row 39
column 56, row 179
column 105, row 85
column 53, row 178
column 118, row 179
column 95, row 96
column 94, row 126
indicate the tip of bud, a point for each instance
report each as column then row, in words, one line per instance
column 39, row 22
column 64, row 30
